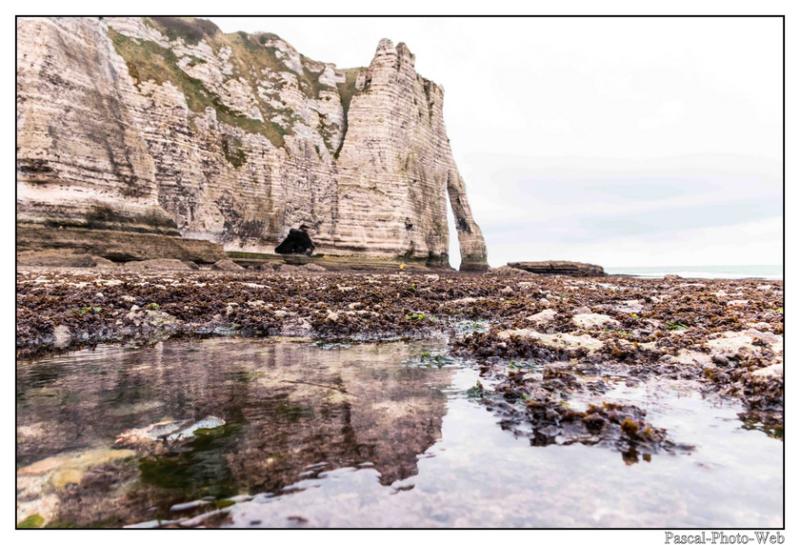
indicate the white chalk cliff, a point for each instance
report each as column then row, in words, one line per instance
column 168, row 126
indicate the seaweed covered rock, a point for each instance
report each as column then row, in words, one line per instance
column 570, row 268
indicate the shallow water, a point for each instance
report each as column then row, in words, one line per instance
column 362, row 435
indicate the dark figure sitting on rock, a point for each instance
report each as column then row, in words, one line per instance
column 296, row 242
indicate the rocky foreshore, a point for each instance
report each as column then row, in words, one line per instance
column 539, row 340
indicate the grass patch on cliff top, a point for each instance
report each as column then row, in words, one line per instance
column 147, row 60
column 251, row 56
column 192, row 30
column 252, row 59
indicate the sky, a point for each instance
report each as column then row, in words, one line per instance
column 621, row 142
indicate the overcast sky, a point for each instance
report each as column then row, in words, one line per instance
column 623, row 142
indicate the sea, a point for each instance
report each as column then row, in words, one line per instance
column 769, row 272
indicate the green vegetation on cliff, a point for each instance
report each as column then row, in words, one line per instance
column 347, row 90
column 254, row 60
column 148, row 61
column 191, row 29
column 232, row 149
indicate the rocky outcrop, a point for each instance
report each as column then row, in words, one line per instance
column 58, row 258
column 115, row 245
column 167, row 126
column 570, row 268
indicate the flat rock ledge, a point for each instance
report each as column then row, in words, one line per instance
column 569, row 268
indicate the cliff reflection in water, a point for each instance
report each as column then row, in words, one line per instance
column 287, row 406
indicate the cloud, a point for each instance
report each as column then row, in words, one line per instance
column 749, row 243
column 552, row 208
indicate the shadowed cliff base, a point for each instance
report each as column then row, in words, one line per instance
column 296, row 242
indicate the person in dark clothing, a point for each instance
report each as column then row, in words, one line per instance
column 296, row 242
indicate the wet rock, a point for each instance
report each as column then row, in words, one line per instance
column 547, row 315
column 556, row 340
column 737, row 303
column 634, row 306
column 505, row 270
column 618, row 426
column 464, row 301
column 548, row 417
column 165, row 434
column 569, row 268
column 62, row 336
column 772, row 371
column 188, row 506
column 691, row 357
column 149, row 435
column 591, row 320
column 39, row 484
column 58, row 258
column 297, row 327
column 69, row 467
column 185, row 433
column 744, row 343
column 721, row 361
column 157, row 323
column 227, row 265
column 203, row 518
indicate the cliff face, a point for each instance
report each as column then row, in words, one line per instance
column 168, row 126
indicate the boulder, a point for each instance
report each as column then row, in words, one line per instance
column 569, row 268
column 227, row 265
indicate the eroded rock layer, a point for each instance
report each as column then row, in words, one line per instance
column 168, row 126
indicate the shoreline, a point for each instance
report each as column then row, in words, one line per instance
column 726, row 334
column 548, row 352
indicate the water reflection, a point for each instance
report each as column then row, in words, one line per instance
column 356, row 436
column 479, row 475
column 290, row 410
